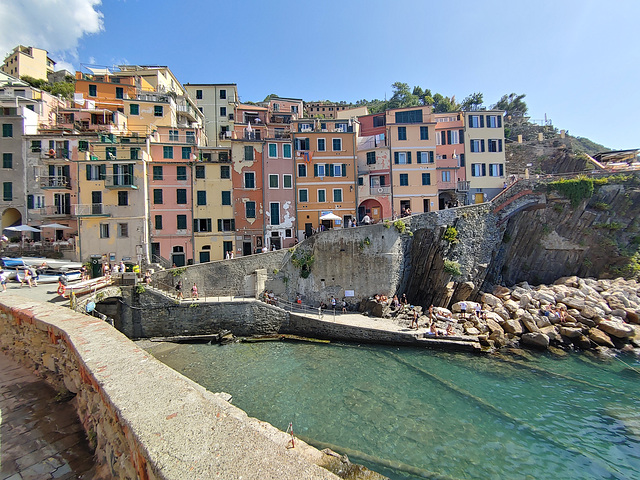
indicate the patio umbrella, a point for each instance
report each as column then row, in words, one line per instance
column 330, row 216
column 23, row 228
column 54, row 225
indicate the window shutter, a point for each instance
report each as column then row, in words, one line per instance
column 482, row 145
column 29, row 201
column 448, row 137
column 431, row 156
column 396, row 158
column 103, row 171
column 484, row 169
column 195, row 225
column 408, row 157
column 461, row 134
column 233, row 224
column 315, row 170
column 65, row 171
column 499, row 121
column 428, row 179
column 329, row 167
column 501, row 170
column 67, row 203
column 418, row 157
column 344, row 169
column 499, row 144
column 52, row 171
column 89, row 172
column 481, row 121
column 219, row 224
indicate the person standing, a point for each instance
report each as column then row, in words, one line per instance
column 179, row 290
column 333, row 303
column 194, row 291
column 3, row 280
column 463, row 309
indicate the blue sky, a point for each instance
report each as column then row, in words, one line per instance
column 576, row 61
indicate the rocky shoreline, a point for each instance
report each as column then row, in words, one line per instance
column 572, row 314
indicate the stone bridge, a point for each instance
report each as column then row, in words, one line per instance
column 519, row 196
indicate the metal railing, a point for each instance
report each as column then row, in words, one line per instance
column 87, row 209
column 204, row 294
column 55, row 182
column 120, row 181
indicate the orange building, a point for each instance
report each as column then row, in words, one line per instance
column 325, row 158
column 450, row 160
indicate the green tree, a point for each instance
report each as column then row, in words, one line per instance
column 472, row 102
column 512, row 104
column 63, row 89
column 402, row 96
column 442, row 104
column 270, row 96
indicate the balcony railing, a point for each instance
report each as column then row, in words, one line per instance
column 51, row 153
column 120, row 181
column 54, row 182
column 379, row 190
column 56, row 211
column 91, row 209
column 255, row 135
column 463, row 186
column 188, row 110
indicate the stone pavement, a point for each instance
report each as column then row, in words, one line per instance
column 40, row 438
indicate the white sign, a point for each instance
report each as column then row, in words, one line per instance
column 349, row 293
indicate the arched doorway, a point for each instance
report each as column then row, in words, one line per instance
column 10, row 217
column 371, row 207
column 447, row 199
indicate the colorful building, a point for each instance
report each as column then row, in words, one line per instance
column 29, row 61
column 217, row 102
column 450, row 160
column 325, row 159
column 484, row 154
column 374, row 169
column 411, row 133
column 213, row 208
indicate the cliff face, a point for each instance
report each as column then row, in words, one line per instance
column 597, row 238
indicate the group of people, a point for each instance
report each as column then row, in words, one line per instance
column 269, row 297
column 179, row 295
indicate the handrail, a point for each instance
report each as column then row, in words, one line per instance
column 203, row 293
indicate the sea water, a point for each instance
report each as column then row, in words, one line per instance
column 412, row 413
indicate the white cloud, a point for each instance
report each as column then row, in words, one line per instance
column 55, row 25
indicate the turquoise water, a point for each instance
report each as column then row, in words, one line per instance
column 411, row 413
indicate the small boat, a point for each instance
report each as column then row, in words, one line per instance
column 86, row 286
column 51, row 275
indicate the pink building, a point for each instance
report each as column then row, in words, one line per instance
column 173, row 152
column 374, row 174
column 450, row 159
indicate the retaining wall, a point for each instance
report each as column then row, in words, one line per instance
column 145, row 420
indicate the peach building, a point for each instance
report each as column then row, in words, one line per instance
column 450, row 159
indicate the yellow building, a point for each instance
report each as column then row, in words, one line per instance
column 411, row 133
column 217, row 101
column 484, row 152
column 30, row 61
column 213, row 205
column 112, row 208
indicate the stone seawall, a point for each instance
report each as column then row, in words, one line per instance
column 144, row 419
column 152, row 314
column 316, row 328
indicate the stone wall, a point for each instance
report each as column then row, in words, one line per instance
column 225, row 277
column 315, row 328
column 151, row 314
column 145, row 420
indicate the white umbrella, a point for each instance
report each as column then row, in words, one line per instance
column 330, row 216
column 23, row 228
column 57, row 226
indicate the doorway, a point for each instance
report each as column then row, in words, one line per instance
column 178, row 257
column 308, row 230
column 246, row 248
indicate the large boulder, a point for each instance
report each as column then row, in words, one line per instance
column 617, row 329
column 494, row 326
column 601, row 338
column 501, row 292
column 502, row 312
column 536, row 340
column 529, row 323
column 570, row 332
column 463, row 291
column 490, row 300
column 574, row 302
column 551, row 332
column 633, row 316
column 572, row 281
column 513, row 326
column 511, row 306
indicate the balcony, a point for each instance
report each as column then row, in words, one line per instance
column 225, row 135
column 55, row 182
column 120, row 181
column 91, row 210
column 187, row 110
column 281, row 135
column 380, row 190
column 463, row 186
column 51, row 154
column 57, row 211
column 255, row 135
